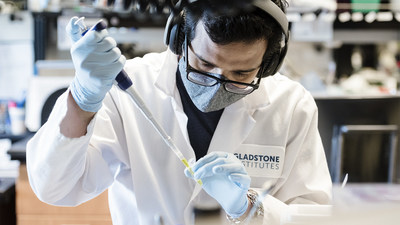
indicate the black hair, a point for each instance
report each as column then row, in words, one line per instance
column 246, row 26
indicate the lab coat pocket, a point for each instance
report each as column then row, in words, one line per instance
column 261, row 161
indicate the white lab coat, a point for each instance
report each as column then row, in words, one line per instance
column 273, row 130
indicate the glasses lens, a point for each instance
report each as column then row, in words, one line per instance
column 238, row 88
column 201, row 79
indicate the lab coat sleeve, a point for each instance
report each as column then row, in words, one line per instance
column 306, row 176
column 65, row 171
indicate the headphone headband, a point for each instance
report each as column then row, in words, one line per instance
column 273, row 10
column 266, row 5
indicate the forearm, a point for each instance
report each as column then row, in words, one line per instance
column 76, row 120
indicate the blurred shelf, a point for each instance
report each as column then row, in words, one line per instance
column 366, row 36
column 15, row 138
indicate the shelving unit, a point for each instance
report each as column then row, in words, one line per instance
column 335, row 111
column 353, row 26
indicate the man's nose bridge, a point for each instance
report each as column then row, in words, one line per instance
column 217, row 70
column 222, row 74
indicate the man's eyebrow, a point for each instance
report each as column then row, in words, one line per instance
column 248, row 70
column 212, row 64
column 201, row 58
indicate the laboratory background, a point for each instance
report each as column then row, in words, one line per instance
column 345, row 52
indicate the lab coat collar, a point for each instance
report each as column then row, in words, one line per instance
column 237, row 121
column 166, row 82
column 258, row 99
column 241, row 111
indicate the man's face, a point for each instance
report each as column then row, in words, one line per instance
column 237, row 61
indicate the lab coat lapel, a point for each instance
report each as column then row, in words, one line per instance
column 237, row 120
column 166, row 78
column 234, row 126
column 166, row 82
column 182, row 119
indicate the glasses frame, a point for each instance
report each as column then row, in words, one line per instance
column 223, row 82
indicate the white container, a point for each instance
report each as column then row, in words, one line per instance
column 395, row 5
column 17, row 118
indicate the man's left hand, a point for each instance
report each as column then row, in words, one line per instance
column 225, row 179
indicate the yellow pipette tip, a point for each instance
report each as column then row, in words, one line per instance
column 185, row 162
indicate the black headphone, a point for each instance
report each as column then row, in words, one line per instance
column 174, row 34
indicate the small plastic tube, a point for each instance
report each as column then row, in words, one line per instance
column 80, row 22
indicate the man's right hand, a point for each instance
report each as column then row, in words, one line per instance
column 97, row 62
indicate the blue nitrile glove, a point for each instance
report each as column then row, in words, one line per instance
column 97, row 62
column 225, row 179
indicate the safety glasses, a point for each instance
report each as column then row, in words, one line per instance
column 211, row 79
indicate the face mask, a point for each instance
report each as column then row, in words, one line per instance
column 207, row 99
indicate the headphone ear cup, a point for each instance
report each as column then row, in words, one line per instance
column 176, row 39
column 275, row 62
column 281, row 58
column 174, row 33
column 272, row 66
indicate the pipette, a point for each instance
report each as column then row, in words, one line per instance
column 125, row 83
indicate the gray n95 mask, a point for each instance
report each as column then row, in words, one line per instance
column 207, row 99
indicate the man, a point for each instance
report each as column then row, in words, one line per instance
column 244, row 128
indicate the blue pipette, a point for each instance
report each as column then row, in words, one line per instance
column 125, row 83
